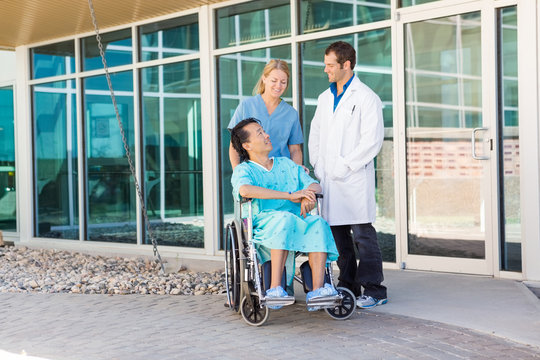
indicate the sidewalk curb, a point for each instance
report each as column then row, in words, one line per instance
column 534, row 300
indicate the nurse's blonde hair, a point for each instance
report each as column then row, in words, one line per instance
column 274, row 64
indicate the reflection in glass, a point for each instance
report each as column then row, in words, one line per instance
column 56, row 160
column 405, row 3
column 509, row 150
column 8, row 194
column 253, row 21
column 173, row 153
column 116, row 45
column 53, row 60
column 443, row 104
column 110, row 189
column 238, row 74
column 168, row 38
column 323, row 15
column 374, row 68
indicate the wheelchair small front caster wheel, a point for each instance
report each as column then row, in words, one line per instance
column 253, row 315
column 347, row 307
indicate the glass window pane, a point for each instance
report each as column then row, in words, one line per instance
column 53, row 60
column 323, row 15
column 405, row 3
column 116, row 45
column 253, row 21
column 509, row 149
column 56, row 160
column 173, row 153
column 442, row 72
column 111, row 193
column 374, row 68
column 168, row 38
column 238, row 74
column 8, row 195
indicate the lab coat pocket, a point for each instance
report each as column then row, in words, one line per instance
column 341, row 170
column 355, row 179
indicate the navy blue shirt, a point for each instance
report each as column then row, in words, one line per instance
column 333, row 89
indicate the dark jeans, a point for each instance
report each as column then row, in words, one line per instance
column 368, row 272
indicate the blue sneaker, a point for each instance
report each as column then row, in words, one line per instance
column 368, row 302
column 276, row 292
column 329, row 290
column 326, row 290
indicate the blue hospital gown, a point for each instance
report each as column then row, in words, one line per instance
column 277, row 224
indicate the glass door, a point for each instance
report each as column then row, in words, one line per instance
column 448, row 115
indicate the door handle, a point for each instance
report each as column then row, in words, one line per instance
column 473, row 144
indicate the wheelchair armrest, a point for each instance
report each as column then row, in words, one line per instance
column 244, row 200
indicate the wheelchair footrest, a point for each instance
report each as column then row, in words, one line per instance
column 280, row 301
column 325, row 301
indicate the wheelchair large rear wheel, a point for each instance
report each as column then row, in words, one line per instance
column 347, row 307
column 253, row 315
column 232, row 267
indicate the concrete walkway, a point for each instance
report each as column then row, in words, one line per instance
column 429, row 316
column 505, row 308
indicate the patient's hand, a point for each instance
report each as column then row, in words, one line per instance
column 299, row 195
column 306, row 206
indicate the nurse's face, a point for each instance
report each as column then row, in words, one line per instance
column 335, row 71
column 258, row 141
column 275, row 83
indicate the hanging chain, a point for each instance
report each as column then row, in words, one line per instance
column 124, row 140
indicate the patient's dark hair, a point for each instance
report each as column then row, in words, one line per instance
column 239, row 136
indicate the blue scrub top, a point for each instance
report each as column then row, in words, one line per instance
column 283, row 126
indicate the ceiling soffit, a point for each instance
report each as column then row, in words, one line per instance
column 25, row 22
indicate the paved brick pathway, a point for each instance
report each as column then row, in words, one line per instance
column 70, row 326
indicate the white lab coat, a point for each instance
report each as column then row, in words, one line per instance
column 342, row 146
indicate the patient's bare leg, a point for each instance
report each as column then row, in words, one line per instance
column 278, row 258
column 317, row 262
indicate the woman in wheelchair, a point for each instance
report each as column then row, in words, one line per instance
column 283, row 194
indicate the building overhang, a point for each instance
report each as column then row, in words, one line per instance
column 25, row 22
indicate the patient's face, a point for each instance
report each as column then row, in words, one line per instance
column 258, row 140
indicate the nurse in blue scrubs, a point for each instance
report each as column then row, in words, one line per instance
column 278, row 119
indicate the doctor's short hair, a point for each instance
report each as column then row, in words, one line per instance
column 344, row 51
column 239, row 135
column 274, row 64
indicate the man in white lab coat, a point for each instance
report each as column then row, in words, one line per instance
column 346, row 135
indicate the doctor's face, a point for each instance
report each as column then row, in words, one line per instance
column 258, row 141
column 335, row 72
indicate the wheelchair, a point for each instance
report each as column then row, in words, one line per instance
column 246, row 279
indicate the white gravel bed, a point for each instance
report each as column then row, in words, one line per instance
column 52, row 271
